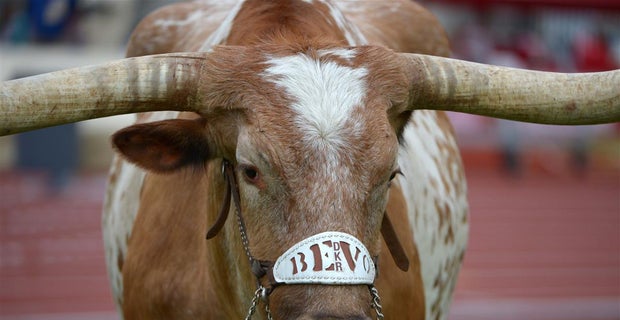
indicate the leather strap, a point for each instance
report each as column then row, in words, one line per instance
column 393, row 244
column 225, row 208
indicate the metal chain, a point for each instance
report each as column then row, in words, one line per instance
column 374, row 293
column 254, row 304
column 244, row 236
column 268, row 311
column 376, row 301
column 230, row 177
column 258, row 294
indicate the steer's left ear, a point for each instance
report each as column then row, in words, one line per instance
column 164, row 146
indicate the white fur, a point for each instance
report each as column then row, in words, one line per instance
column 192, row 18
column 423, row 163
column 324, row 95
column 352, row 33
column 342, row 53
column 221, row 33
column 120, row 208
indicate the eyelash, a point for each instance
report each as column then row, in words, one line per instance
column 394, row 174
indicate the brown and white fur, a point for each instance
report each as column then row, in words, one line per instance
column 159, row 263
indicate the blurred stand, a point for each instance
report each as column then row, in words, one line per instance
column 38, row 36
column 560, row 36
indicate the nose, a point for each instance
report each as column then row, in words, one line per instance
column 323, row 316
column 314, row 302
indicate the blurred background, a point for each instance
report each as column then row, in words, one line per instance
column 545, row 200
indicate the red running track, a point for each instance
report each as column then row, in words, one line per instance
column 542, row 247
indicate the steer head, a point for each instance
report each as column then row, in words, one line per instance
column 313, row 137
column 312, row 132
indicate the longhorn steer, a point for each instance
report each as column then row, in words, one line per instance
column 313, row 119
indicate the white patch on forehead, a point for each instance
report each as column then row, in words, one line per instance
column 325, row 97
column 324, row 94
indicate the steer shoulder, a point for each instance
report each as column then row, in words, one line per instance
column 180, row 27
column 401, row 25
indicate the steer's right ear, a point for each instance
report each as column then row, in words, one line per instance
column 164, row 146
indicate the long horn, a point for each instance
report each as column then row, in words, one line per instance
column 150, row 83
column 516, row 94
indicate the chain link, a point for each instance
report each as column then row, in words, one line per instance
column 376, row 302
column 244, row 236
column 254, row 304
column 268, row 311
column 258, row 294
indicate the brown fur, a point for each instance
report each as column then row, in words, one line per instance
column 410, row 28
column 164, row 146
column 398, row 298
column 160, row 285
column 283, row 21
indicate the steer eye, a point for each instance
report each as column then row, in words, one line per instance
column 393, row 175
column 250, row 173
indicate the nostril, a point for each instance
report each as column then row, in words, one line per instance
column 323, row 316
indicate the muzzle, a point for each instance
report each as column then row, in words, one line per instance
column 327, row 258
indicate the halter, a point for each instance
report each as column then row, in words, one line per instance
column 281, row 272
